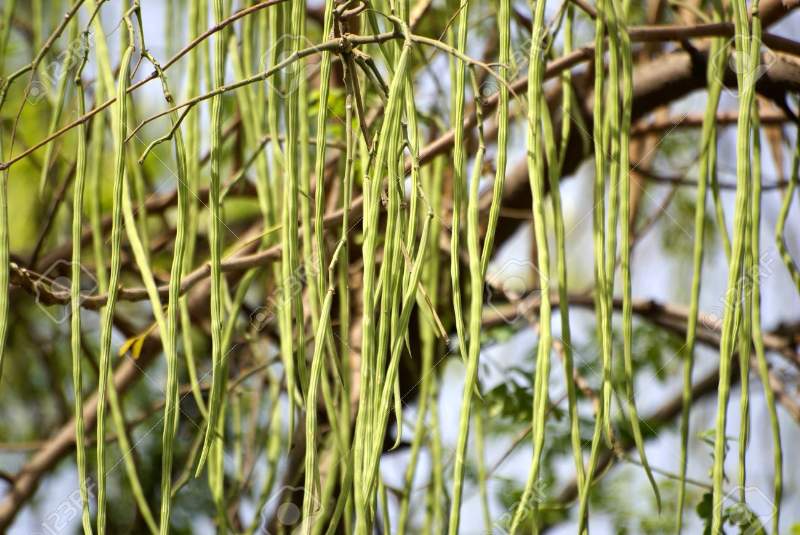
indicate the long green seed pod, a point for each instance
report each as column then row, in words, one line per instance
column 319, row 157
column 58, row 109
column 192, row 145
column 555, row 162
column 434, row 513
column 138, row 248
column 121, row 429
column 345, row 418
column 407, row 306
column 4, row 244
column 215, row 220
column 780, row 225
column 438, row 491
column 483, row 487
column 121, row 119
column 168, row 333
column 346, row 479
column 458, row 176
column 747, row 58
column 172, row 405
column 95, row 210
column 625, row 209
column 504, row 32
column 372, row 186
column 611, row 143
column 75, row 303
column 599, row 246
column 256, row 108
column 476, row 305
column 708, row 137
column 758, row 338
column 296, row 174
column 536, row 174
column 103, row 88
column 94, row 169
column 5, row 30
column 289, row 261
column 4, row 262
column 744, row 332
column 394, row 272
column 272, row 454
column 311, row 467
column 429, row 344
column 387, row 281
column 411, row 140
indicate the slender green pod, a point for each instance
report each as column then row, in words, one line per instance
column 58, row 109
column 4, row 261
column 409, row 298
column 536, row 174
column 601, row 303
column 744, row 333
column 214, row 224
column 319, row 156
column 170, row 337
column 476, row 305
column 611, row 143
column 758, row 337
column 75, row 300
column 555, row 163
column 625, row 216
column 483, row 486
column 310, row 496
column 93, row 171
column 780, row 225
column 5, row 30
column 273, row 449
column 504, row 33
column 458, row 176
column 289, row 262
column 344, row 310
column 707, row 163
column 427, row 401
column 558, row 216
column 8, row 13
column 192, row 145
column 120, row 129
column 372, row 185
column 121, row 430
column 747, row 42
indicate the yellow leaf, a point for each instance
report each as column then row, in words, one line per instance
column 135, row 343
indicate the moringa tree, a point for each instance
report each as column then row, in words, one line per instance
column 357, row 267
